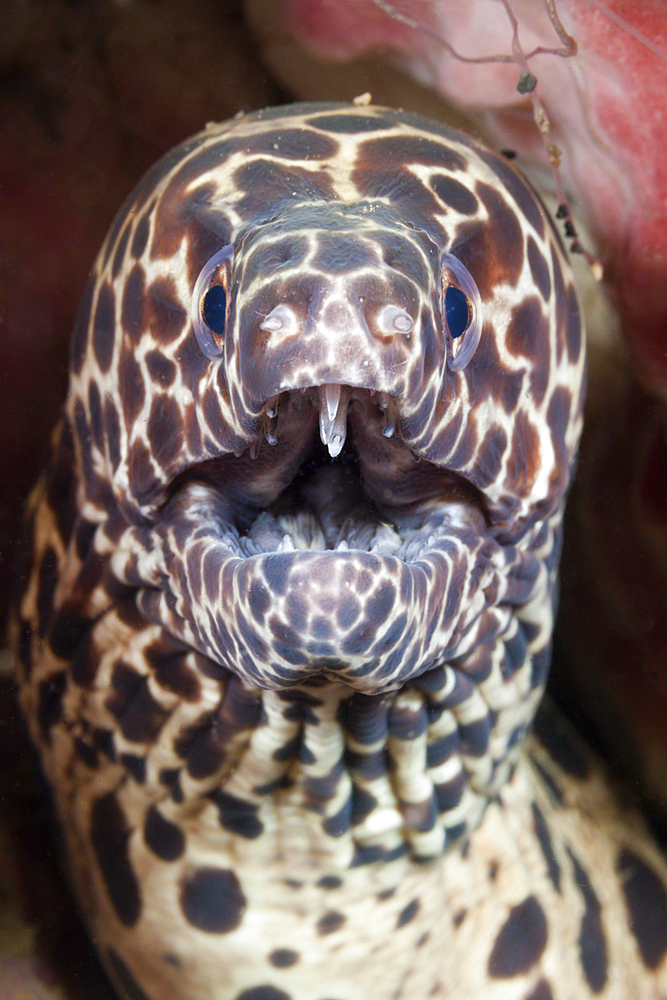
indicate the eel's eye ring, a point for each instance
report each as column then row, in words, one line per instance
column 461, row 312
column 208, row 310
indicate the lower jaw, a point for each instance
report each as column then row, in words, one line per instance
column 276, row 606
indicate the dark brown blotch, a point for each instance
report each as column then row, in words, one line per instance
column 520, row 941
column 408, row 913
column 539, row 268
column 141, row 717
column 131, row 386
column 524, row 459
column 104, row 327
column 453, row 193
column 161, row 369
column 165, row 314
column 205, row 743
column 592, row 941
column 86, row 753
column 283, row 958
column 350, row 124
column 237, row 815
column 401, row 150
column 292, row 144
column 133, row 306
column 68, row 628
column 542, row 991
column 96, row 416
column 365, row 719
column 165, row 431
column 527, row 329
column 268, row 183
column 180, row 204
column 494, row 253
column 109, row 834
column 330, row 922
column 560, row 298
column 263, row 993
column 573, row 337
column 165, row 839
column 645, row 897
column 490, row 457
column 112, row 432
column 135, row 765
column 168, row 658
column 140, row 238
column 50, row 702
column 330, row 882
column 546, row 846
column 211, row 900
column 143, row 480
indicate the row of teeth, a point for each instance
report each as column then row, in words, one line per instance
column 333, row 401
column 411, row 550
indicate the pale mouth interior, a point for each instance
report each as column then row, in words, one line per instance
column 325, row 507
column 331, row 472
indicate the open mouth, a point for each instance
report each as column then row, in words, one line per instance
column 330, row 472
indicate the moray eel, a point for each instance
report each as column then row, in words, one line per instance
column 287, row 618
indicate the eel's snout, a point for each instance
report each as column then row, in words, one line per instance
column 338, row 296
column 345, row 335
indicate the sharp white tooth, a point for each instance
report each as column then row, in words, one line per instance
column 389, row 408
column 269, row 428
column 342, row 546
column 272, row 408
column 333, row 399
column 287, row 545
column 335, row 446
column 253, row 449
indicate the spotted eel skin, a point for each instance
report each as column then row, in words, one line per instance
column 287, row 618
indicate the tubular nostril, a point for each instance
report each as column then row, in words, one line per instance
column 281, row 319
column 392, row 320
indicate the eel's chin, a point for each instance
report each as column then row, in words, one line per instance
column 371, row 568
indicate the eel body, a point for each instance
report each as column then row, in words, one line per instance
column 287, row 616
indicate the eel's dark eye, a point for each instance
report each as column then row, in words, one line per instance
column 208, row 310
column 461, row 312
column 214, row 309
column 457, row 311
